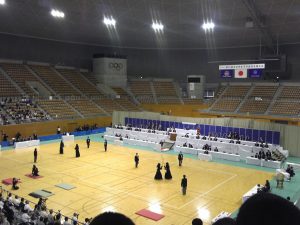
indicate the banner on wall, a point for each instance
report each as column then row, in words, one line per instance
column 242, row 70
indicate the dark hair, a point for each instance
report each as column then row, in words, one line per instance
column 266, row 208
column 111, row 218
column 225, row 221
column 197, row 221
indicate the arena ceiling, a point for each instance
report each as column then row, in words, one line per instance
column 274, row 20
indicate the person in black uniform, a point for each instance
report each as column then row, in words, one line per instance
column 88, row 142
column 61, row 147
column 105, row 145
column 35, row 154
column 180, row 158
column 168, row 175
column 158, row 175
column 77, row 153
column 136, row 160
column 184, row 185
column 14, row 183
column 35, row 171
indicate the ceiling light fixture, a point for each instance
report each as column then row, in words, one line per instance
column 157, row 26
column 109, row 21
column 208, row 26
column 57, row 13
column 2, row 2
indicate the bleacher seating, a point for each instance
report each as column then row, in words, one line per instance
column 86, row 107
column 165, row 92
column 108, row 104
column 90, row 77
column 7, row 89
column 281, row 107
column 226, row 105
column 191, row 101
column 58, row 109
column 290, row 92
column 80, row 82
column 255, row 106
column 59, row 85
column 168, row 100
column 20, row 74
column 264, row 91
column 142, row 91
column 236, row 91
column 125, row 100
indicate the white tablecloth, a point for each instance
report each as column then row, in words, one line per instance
column 67, row 138
column 226, row 156
column 118, row 142
column 25, row 144
column 286, row 175
column 271, row 164
column 253, row 161
column 220, row 216
column 251, row 192
column 205, row 157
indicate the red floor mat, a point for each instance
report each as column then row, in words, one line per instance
column 33, row 177
column 150, row 215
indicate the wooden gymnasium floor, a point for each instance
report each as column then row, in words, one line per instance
column 108, row 181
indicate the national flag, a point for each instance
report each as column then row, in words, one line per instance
column 240, row 73
column 226, row 73
column 254, row 73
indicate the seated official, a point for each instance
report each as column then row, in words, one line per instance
column 266, row 145
column 238, row 142
column 262, row 145
column 126, row 136
column 14, row 183
column 231, row 141
column 256, row 144
column 215, row 138
column 256, row 155
column 203, row 138
column 216, row 149
column 35, row 171
column 267, row 187
column 186, row 135
column 205, row 152
column 197, row 137
column 121, row 139
column 184, row 144
column 190, row 146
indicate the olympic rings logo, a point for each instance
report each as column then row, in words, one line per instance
column 115, row 66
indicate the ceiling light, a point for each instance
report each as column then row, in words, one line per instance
column 109, row 21
column 2, row 2
column 157, row 26
column 208, row 26
column 57, row 13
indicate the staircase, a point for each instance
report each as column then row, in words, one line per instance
column 153, row 92
column 277, row 94
column 245, row 98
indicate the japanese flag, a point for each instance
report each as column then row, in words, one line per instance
column 240, row 73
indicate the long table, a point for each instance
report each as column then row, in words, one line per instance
column 205, row 157
column 67, row 138
column 263, row 162
column 215, row 155
column 26, row 144
column 251, row 192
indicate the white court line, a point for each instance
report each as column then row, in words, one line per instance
column 210, row 190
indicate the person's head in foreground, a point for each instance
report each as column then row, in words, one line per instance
column 225, row 221
column 268, row 209
column 197, row 221
column 111, row 218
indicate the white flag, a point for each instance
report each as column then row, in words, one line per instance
column 240, row 73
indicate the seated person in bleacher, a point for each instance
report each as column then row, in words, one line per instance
column 190, row 146
column 266, row 145
column 203, row 138
column 184, row 144
column 216, row 149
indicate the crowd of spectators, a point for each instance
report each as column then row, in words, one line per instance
column 15, row 210
column 22, row 110
column 86, row 127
